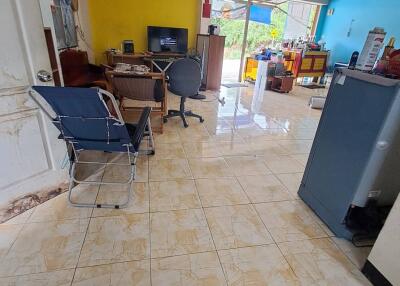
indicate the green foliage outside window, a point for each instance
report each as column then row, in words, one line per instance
column 258, row 34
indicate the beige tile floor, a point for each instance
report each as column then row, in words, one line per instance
column 216, row 205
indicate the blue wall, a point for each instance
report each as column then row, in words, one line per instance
column 366, row 14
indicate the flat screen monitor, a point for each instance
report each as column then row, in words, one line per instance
column 164, row 39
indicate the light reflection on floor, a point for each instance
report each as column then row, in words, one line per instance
column 216, row 205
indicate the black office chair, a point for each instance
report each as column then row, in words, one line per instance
column 184, row 80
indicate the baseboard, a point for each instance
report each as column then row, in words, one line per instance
column 374, row 275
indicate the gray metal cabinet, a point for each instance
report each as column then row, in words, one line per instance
column 352, row 157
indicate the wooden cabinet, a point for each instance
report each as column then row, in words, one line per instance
column 282, row 83
column 132, row 59
column 310, row 64
column 211, row 50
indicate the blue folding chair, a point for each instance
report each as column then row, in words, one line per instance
column 85, row 123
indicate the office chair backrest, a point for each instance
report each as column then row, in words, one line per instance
column 84, row 120
column 184, row 77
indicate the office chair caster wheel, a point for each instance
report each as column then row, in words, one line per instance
column 185, row 125
column 201, row 120
column 152, row 152
column 165, row 120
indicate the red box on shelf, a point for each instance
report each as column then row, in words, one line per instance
column 206, row 9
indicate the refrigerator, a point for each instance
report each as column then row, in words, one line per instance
column 355, row 156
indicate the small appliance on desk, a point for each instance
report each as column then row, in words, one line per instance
column 213, row 30
column 128, row 47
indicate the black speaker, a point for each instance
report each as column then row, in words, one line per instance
column 128, row 47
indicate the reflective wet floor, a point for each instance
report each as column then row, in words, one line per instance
column 216, row 205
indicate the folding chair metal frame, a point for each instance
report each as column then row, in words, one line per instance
column 74, row 155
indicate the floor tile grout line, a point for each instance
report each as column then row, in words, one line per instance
column 111, row 262
column 105, row 264
column 149, row 214
column 87, row 228
column 190, row 253
column 87, row 266
column 2, row 258
column 211, row 206
column 24, row 225
column 229, row 155
column 6, row 223
column 275, row 242
column 273, row 201
column 228, row 177
column 188, row 163
column 150, row 256
column 209, row 229
column 286, row 187
column 212, row 237
column 318, row 238
column 342, row 250
column 36, row 273
column 26, row 222
column 34, row 209
column 273, row 239
column 252, row 204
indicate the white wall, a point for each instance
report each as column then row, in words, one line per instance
column 81, row 20
column 299, row 13
column 83, row 31
column 385, row 255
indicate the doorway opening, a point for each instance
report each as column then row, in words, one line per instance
column 252, row 27
column 231, row 17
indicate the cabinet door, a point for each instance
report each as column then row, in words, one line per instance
column 215, row 62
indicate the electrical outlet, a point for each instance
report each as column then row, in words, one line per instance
column 374, row 194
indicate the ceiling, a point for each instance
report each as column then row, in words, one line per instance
column 276, row 2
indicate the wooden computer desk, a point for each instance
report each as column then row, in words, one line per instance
column 151, row 60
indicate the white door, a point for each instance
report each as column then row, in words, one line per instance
column 31, row 155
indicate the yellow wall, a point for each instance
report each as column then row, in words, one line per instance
column 112, row 21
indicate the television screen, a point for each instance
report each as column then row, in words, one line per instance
column 164, row 39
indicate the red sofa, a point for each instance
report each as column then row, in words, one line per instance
column 78, row 72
